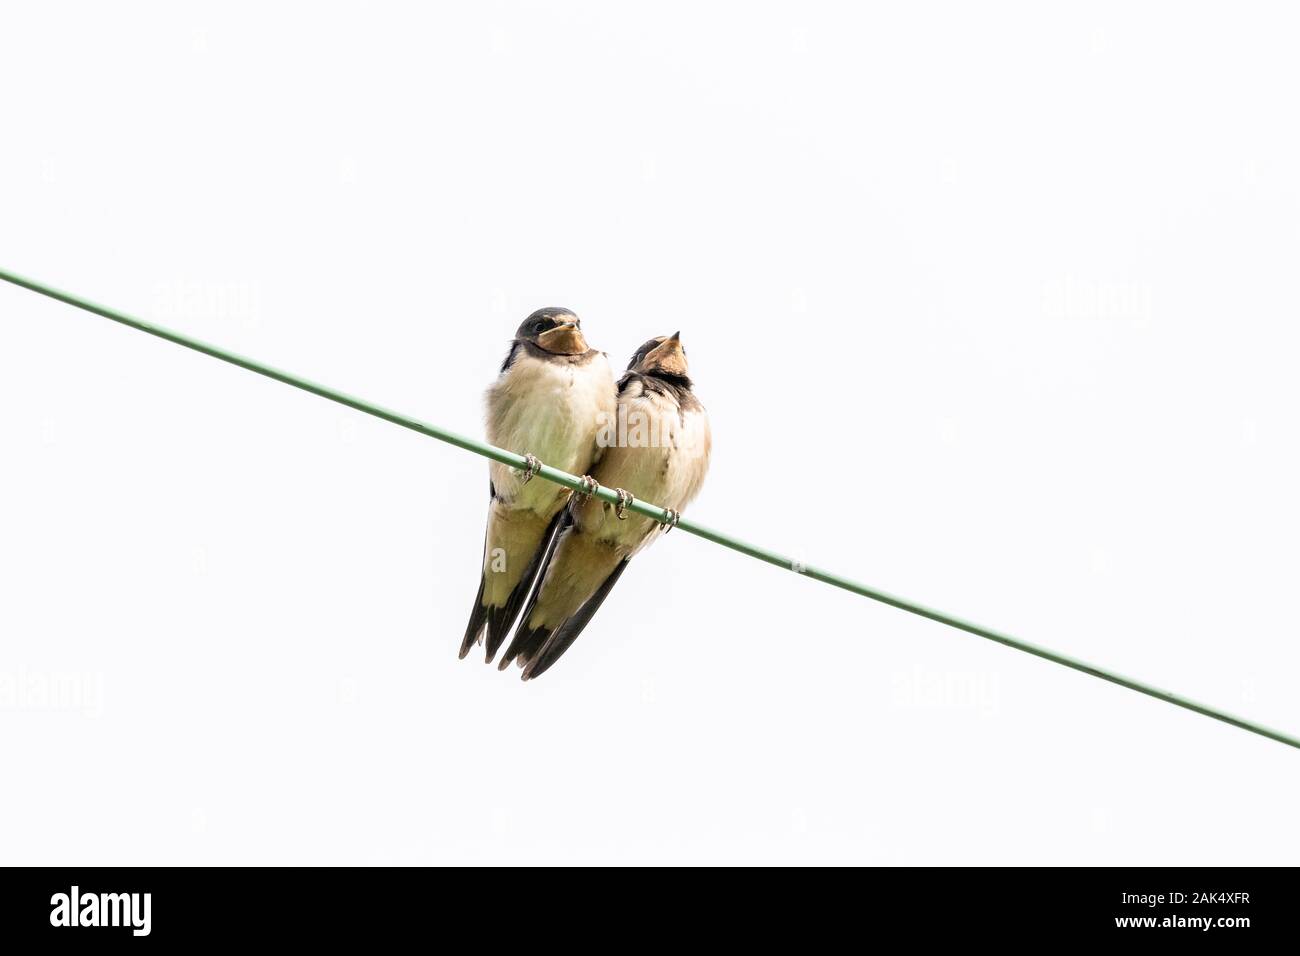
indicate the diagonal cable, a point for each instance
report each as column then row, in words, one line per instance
column 652, row 511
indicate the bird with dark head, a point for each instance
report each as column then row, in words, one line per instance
column 548, row 401
column 658, row 450
column 551, row 331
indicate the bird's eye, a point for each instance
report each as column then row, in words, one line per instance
column 538, row 326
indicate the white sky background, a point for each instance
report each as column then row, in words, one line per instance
column 993, row 309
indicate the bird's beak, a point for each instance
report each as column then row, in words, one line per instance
column 668, row 356
column 564, row 339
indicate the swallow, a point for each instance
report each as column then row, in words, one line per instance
column 548, row 401
column 658, row 451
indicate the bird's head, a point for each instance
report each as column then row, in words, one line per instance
column 663, row 357
column 557, row 331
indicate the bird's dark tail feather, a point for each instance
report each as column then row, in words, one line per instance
column 553, row 645
column 478, row 615
column 527, row 640
column 477, row 618
column 501, row 619
column 525, row 644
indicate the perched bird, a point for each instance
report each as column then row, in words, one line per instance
column 549, row 400
column 658, row 450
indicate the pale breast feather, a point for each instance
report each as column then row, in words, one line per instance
column 667, row 472
column 551, row 410
column 689, row 465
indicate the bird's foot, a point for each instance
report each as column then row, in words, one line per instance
column 670, row 519
column 588, row 487
column 625, row 499
column 527, row 474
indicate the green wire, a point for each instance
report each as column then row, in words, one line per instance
column 650, row 511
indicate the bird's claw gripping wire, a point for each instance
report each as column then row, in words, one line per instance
column 529, row 473
column 625, row 499
column 670, row 519
column 587, row 486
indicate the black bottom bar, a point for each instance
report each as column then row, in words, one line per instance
column 387, row 906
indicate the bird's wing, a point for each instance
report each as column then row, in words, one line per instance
column 526, row 639
column 575, row 579
column 513, row 552
column 559, row 641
